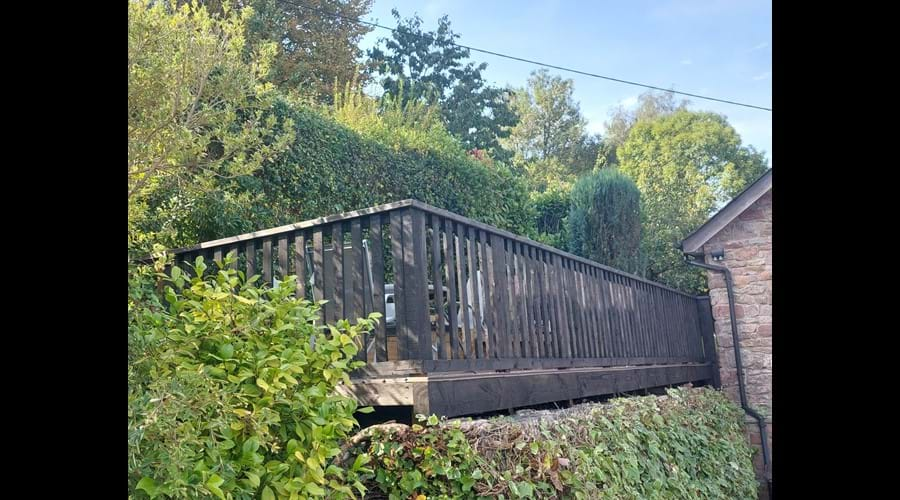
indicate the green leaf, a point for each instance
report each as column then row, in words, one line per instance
column 315, row 489
column 226, row 351
column 254, row 479
column 433, row 420
column 525, row 489
column 245, row 300
column 213, row 484
column 366, row 409
column 215, row 480
column 250, row 445
column 360, row 461
column 267, row 494
column 148, row 484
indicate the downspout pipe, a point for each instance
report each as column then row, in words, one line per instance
column 739, row 362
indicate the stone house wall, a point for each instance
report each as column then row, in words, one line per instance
column 747, row 242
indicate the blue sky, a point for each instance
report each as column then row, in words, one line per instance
column 720, row 48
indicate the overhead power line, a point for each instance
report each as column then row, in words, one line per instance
column 530, row 61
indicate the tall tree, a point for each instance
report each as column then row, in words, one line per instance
column 196, row 103
column 651, row 104
column 604, row 222
column 686, row 165
column 318, row 41
column 550, row 123
column 426, row 65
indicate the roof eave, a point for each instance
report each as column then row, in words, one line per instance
column 694, row 242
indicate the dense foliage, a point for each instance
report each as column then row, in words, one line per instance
column 651, row 104
column 196, row 105
column 374, row 157
column 688, row 444
column 242, row 157
column 686, row 165
column 318, row 42
column 549, row 183
column 232, row 389
column 551, row 125
column 329, row 167
column 551, row 209
column 604, row 222
column 428, row 66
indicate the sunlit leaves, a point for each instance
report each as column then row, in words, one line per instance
column 232, row 389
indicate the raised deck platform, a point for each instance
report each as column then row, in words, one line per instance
column 477, row 319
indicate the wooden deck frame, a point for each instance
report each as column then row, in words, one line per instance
column 453, row 394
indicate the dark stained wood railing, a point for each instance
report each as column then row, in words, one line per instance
column 469, row 296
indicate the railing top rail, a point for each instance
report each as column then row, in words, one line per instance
column 506, row 234
column 293, row 227
column 387, row 207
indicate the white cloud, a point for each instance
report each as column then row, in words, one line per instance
column 687, row 61
column 763, row 76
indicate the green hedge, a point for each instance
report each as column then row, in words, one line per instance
column 688, row 444
column 330, row 168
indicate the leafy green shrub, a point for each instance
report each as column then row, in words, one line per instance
column 232, row 389
column 688, row 444
column 197, row 100
column 437, row 463
column 407, row 124
column 551, row 208
column 604, row 222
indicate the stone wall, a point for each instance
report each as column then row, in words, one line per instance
column 747, row 242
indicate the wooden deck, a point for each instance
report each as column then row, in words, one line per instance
column 453, row 394
column 477, row 319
